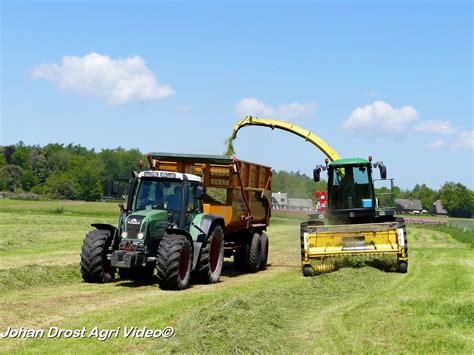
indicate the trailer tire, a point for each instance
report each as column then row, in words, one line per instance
column 254, row 253
column 264, row 251
column 403, row 267
column 308, row 271
column 211, row 259
column 95, row 267
column 174, row 262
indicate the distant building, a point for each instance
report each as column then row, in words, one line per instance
column 280, row 200
column 439, row 209
column 408, row 206
column 305, row 204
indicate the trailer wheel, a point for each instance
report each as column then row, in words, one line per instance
column 402, row 267
column 255, row 253
column 212, row 257
column 95, row 267
column 264, row 251
column 174, row 262
column 308, row 271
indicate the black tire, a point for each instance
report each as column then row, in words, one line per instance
column 211, row 259
column 308, row 271
column 95, row 268
column 264, row 251
column 403, row 267
column 174, row 262
column 254, row 253
column 240, row 256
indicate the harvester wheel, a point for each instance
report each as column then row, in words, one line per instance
column 264, row 251
column 212, row 257
column 403, row 267
column 255, row 253
column 95, row 267
column 308, row 271
column 174, row 262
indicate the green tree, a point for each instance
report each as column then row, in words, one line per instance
column 10, row 177
column 456, row 196
column 60, row 187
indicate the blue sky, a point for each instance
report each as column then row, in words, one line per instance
column 392, row 80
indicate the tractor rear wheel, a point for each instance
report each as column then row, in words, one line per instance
column 211, row 259
column 174, row 262
column 95, row 267
column 254, row 253
column 264, row 251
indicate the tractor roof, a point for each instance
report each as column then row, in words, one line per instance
column 349, row 161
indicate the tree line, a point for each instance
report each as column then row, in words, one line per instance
column 74, row 172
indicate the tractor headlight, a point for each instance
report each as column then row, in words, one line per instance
column 140, row 235
column 124, row 234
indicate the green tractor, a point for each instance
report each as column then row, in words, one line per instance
column 163, row 226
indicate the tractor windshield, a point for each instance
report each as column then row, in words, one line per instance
column 349, row 187
column 159, row 194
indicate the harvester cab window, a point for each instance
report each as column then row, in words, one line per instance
column 351, row 188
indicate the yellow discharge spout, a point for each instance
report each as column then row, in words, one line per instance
column 289, row 127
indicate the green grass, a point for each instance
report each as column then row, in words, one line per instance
column 428, row 310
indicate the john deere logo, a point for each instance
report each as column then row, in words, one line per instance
column 133, row 221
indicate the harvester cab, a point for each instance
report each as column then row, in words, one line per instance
column 351, row 194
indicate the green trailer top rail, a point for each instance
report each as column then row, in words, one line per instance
column 202, row 158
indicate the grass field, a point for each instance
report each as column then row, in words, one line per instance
column 430, row 309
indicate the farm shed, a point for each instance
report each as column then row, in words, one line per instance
column 408, row 205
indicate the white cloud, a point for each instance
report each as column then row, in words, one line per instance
column 117, row 80
column 184, row 108
column 253, row 107
column 440, row 127
column 380, row 116
column 439, row 143
column 464, row 140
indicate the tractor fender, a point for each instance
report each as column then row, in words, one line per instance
column 113, row 231
column 208, row 221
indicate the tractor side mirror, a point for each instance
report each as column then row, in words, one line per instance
column 115, row 187
column 200, row 192
column 317, row 174
column 383, row 171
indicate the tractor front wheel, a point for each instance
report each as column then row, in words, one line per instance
column 95, row 267
column 174, row 262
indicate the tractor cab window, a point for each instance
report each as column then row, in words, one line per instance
column 350, row 188
column 158, row 194
column 194, row 204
